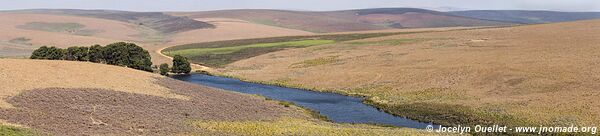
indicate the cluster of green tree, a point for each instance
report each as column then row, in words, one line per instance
column 180, row 66
column 120, row 54
column 51, row 53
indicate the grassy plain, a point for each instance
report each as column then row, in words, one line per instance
column 526, row 75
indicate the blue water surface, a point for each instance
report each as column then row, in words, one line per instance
column 338, row 108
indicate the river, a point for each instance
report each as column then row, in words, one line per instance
column 337, row 108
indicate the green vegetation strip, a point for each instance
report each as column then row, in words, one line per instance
column 334, row 37
column 221, row 56
column 52, row 27
column 233, row 49
column 71, row 28
column 386, row 42
column 13, row 131
column 316, row 62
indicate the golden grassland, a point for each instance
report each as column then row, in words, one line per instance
column 20, row 75
column 526, row 75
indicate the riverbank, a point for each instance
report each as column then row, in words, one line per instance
column 443, row 114
column 336, row 107
column 346, row 114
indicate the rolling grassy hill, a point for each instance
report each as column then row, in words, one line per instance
column 528, row 16
column 529, row 75
column 347, row 20
column 74, row 98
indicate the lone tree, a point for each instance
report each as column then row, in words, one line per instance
column 181, row 65
column 164, row 69
column 51, row 53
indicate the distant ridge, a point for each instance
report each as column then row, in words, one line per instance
column 156, row 20
column 331, row 21
column 527, row 16
column 347, row 20
column 395, row 11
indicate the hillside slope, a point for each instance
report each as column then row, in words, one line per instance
column 67, row 98
column 527, row 75
column 527, row 16
column 348, row 20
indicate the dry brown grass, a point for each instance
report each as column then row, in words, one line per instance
column 87, row 111
column 542, row 74
column 74, row 98
column 20, row 75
